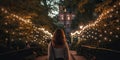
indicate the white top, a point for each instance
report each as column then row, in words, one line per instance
column 59, row 52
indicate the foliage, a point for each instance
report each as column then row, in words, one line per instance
column 104, row 32
column 21, row 22
column 84, row 11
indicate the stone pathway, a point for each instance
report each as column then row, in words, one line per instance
column 74, row 56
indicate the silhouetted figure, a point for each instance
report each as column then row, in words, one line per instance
column 58, row 48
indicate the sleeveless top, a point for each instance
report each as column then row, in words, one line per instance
column 59, row 52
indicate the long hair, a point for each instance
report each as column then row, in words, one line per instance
column 59, row 38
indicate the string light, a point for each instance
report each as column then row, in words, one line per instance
column 101, row 25
column 118, row 28
column 116, row 12
column 117, row 20
column 114, row 6
column 99, row 41
column 34, row 38
column 100, row 35
column 110, row 40
column 105, row 38
column 6, row 39
column 116, row 36
column 105, row 31
column 6, row 31
column 6, row 23
column 110, row 33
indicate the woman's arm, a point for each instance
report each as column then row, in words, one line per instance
column 67, row 53
column 50, row 55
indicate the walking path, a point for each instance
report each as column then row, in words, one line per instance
column 74, row 56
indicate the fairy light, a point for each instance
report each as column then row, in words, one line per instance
column 92, row 29
column 19, row 38
column 117, row 20
column 111, row 16
column 111, row 33
column 26, row 21
column 114, row 5
column 92, row 32
column 105, row 31
column 26, row 41
column 92, row 36
column 87, row 36
column 99, row 41
column 6, row 23
column 34, row 40
column 13, row 33
column 105, row 38
column 116, row 36
column 105, row 25
column 2, row 9
column 116, row 12
column 110, row 40
column 6, row 39
column 6, row 31
column 95, row 33
column 95, row 38
column 118, row 28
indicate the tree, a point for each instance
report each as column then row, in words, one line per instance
column 24, row 22
column 104, row 32
column 84, row 10
column 33, row 10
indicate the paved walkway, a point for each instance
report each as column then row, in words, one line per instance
column 74, row 56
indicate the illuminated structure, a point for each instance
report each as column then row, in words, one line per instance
column 66, row 15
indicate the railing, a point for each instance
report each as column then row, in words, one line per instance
column 16, row 55
column 98, row 53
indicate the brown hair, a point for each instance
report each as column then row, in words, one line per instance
column 59, row 38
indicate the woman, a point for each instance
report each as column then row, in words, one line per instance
column 58, row 47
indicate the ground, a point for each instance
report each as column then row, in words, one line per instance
column 74, row 56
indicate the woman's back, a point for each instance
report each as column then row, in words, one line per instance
column 58, row 48
column 59, row 52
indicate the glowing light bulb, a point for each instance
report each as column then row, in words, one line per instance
column 105, row 38
column 6, row 38
column 12, row 40
column 116, row 36
column 118, row 28
column 116, row 12
column 92, row 36
column 117, row 20
column 110, row 40
column 95, row 38
column 5, row 11
column 19, row 38
column 26, row 41
column 105, row 31
column 111, row 9
column 2, row 9
column 100, row 35
column 95, row 33
column 83, row 36
column 6, row 23
column 99, row 41
column 6, row 31
column 105, row 25
column 114, row 6
column 92, row 32
column 13, row 33
column 34, row 40
column 110, row 15
column 81, row 27
column 110, row 33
